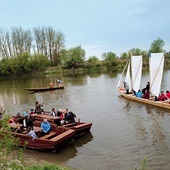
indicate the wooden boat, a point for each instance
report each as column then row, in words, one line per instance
column 161, row 104
column 156, row 73
column 44, row 89
column 56, row 140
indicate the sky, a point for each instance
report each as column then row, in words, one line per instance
column 99, row 26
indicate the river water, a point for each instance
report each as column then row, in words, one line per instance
column 124, row 133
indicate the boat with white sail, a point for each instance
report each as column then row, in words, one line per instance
column 133, row 79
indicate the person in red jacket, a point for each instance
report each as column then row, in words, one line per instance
column 162, row 97
column 168, row 94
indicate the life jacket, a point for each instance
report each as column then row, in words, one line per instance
column 10, row 120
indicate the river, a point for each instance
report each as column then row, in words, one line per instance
column 123, row 134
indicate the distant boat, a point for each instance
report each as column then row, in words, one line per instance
column 44, row 89
column 156, row 65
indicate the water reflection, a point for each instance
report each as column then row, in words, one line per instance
column 158, row 136
column 148, row 124
column 66, row 154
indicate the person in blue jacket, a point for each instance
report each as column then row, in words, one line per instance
column 139, row 94
column 45, row 125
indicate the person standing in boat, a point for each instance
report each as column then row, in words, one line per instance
column 126, row 86
column 59, row 83
column 146, row 88
column 38, row 108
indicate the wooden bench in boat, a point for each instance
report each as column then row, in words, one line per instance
column 51, row 134
column 61, row 135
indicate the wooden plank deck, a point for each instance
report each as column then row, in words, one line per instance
column 51, row 134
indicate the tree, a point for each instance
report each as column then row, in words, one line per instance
column 21, row 41
column 134, row 51
column 93, row 59
column 124, row 56
column 110, row 59
column 49, row 43
column 15, row 42
column 75, row 56
column 157, row 46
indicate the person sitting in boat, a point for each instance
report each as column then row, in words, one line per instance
column 69, row 116
column 59, row 112
column 139, row 94
column 126, row 86
column 32, row 113
column 26, row 113
column 53, row 112
column 51, row 85
column 59, row 83
column 19, row 118
column 146, row 94
column 45, row 125
column 162, row 97
column 168, row 94
column 31, row 133
column 38, row 108
column 146, row 88
column 62, row 117
column 19, row 129
column 30, row 121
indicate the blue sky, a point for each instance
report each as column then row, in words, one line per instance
column 99, row 26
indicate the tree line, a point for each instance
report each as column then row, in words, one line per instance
column 28, row 50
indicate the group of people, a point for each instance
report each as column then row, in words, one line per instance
column 25, row 120
column 66, row 116
column 163, row 97
column 25, row 123
column 145, row 93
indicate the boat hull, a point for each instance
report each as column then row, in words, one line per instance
column 61, row 138
column 44, row 89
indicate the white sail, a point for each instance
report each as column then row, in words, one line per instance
column 120, row 79
column 156, row 72
column 128, row 77
column 136, row 67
